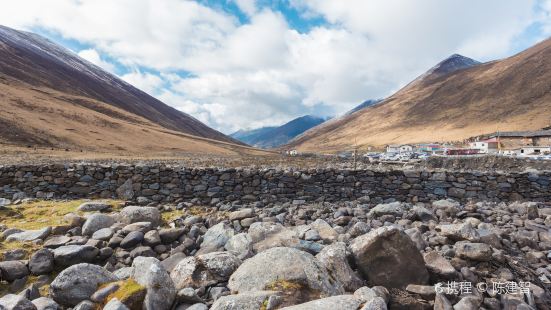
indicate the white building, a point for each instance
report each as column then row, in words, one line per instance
column 485, row 146
column 534, row 150
column 399, row 148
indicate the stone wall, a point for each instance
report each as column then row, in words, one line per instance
column 174, row 184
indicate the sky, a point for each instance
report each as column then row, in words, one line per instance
column 243, row 64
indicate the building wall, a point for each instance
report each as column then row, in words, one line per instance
column 210, row 185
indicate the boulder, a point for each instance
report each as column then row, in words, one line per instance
column 132, row 239
column 284, row 267
column 45, row 303
column 95, row 222
column 16, row 302
column 335, row 259
column 149, row 272
column 215, row 238
column 68, row 255
column 247, row 301
column 115, row 304
column 103, row 234
column 30, row 235
column 329, row 303
column 325, row 231
column 240, row 245
column 386, row 256
column 264, row 235
column 56, row 241
column 458, row 232
column 241, row 214
column 438, row 265
column 92, row 206
column 13, row 270
column 393, row 208
column 41, row 262
column 126, row 190
column 204, row 270
column 473, row 251
column 133, row 214
column 78, row 282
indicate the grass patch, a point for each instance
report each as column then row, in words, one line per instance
column 169, row 216
column 130, row 293
column 283, row 285
column 30, row 247
column 42, row 213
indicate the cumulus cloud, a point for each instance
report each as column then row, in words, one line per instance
column 264, row 72
column 93, row 56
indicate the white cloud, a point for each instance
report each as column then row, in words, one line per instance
column 247, row 6
column 93, row 56
column 264, row 72
column 147, row 82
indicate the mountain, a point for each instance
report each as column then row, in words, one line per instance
column 363, row 105
column 50, row 97
column 457, row 99
column 271, row 137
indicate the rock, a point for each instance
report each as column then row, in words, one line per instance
column 325, row 231
column 13, row 270
column 103, row 234
column 469, row 302
column 442, row 303
column 41, row 262
column 474, row 251
column 329, row 303
column 133, row 214
column 387, row 256
column 68, row 255
column 169, row 235
column 56, row 241
column 246, row 301
column 170, row 262
column 126, row 190
column 144, row 251
column 215, row 238
column 438, row 265
column 447, row 207
column 334, row 258
column 197, row 306
column 204, row 270
column 115, row 304
column 30, row 235
column 85, row 305
column 4, row 202
column 393, row 208
column 149, row 272
column 45, row 303
column 427, row 292
column 15, row 254
column 123, row 273
column 95, row 222
column 458, row 232
column 92, row 206
column 78, row 283
column 240, row 245
column 241, row 214
column 152, row 238
column 280, row 266
column 376, row 303
column 265, row 235
column 132, row 239
column 16, row 302
column 365, row 294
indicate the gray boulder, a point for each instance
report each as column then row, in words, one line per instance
column 95, row 222
column 394, row 208
column 103, row 234
column 458, row 232
column 325, row 231
column 268, row 269
column 13, row 270
column 92, row 206
column 41, row 262
column 78, row 283
column 16, row 302
column 334, row 258
column 264, row 235
column 56, row 241
column 30, row 235
column 126, row 190
column 240, row 245
column 387, row 257
column 149, row 272
column 438, row 265
column 68, row 255
column 133, row 214
column 45, row 303
column 215, row 238
column 115, row 304
column 329, row 303
column 474, row 251
column 247, row 301
column 204, row 270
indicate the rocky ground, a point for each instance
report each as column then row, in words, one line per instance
column 353, row 255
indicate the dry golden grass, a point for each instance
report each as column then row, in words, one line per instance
column 42, row 117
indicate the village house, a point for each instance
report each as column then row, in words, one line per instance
column 517, row 139
column 399, row 148
column 485, row 146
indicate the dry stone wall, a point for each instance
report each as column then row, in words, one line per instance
column 209, row 185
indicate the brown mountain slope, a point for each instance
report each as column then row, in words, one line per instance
column 35, row 60
column 47, row 118
column 510, row 94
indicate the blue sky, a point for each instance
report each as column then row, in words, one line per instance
column 237, row 64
